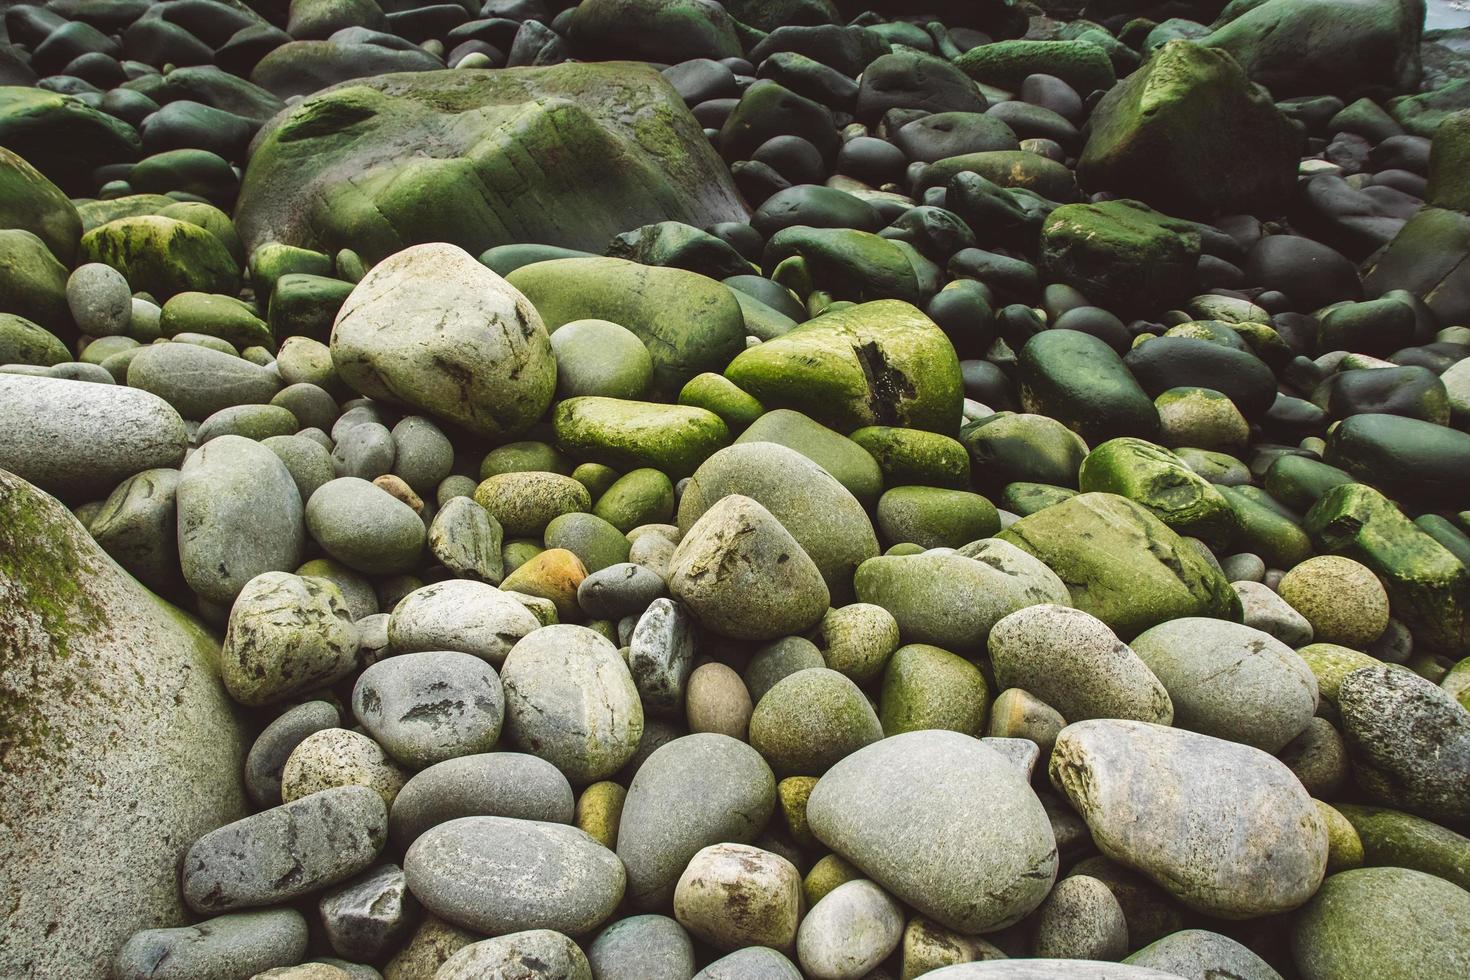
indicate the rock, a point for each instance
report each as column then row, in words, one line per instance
column 465, row 539
column 79, row 440
column 35, row 204
column 1122, row 564
column 1426, row 258
column 824, row 518
column 879, row 363
column 1079, row 380
column 651, row 31
column 1006, row 64
column 525, row 503
column 810, row 720
column 1265, row 610
column 1190, row 135
column 1197, row 952
column 497, row 875
column 370, row 916
column 627, row 435
column 569, row 699
column 112, row 708
column 548, row 953
column 642, row 947
column 751, row 963
column 1122, row 255
column 844, row 459
column 632, row 155
column 365, row 527
column 1229, row 832
column 287, row 851
column 301, row 68
column 1393, row 923
column 735, row 895
column 1342, row 600
column 926, row 687
column 424, row 708
column 227, row 945
column 24, row 342
column 1074, row 663
column 913, row 803
column 1314, row 48
column 689, row 793
column 199, row 381
column 338, row 757
column 598, row 357
column 493, row 784
column 1159, row 480
column 1040, row 969
column 462, row 615
column 275, row 744
column 488, row 367
column 62, row 137
column 239, row 516
column 1081, row 919
column 620, row 590
column 162, row 256
column 99, row 299
column 661, row 655
column 850, row 931
column 286, row 634
column 1409, row 741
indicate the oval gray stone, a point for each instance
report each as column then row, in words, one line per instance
column 642, row 947
column 1201, row 953
column 274, row 745
column 463, row 615
column 751, row 963
column 496, row 784
column 424, row 708
column 223, row 948
column 365, row 527
column 199, row 381
column 850, row 931
column 625, row 589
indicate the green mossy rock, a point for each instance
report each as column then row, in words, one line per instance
column 913, row 457
column 24, row 342
column 689, row 323
column 305, row 305
column 31, row 202
column 163, row 256
column 1263, row 530
column 1298, row 482
column 1428, row 587
column 717, row 393
column 33, row 283
column 933, row 517
column 1150, row 475
column 848, row 264
column 926, row 687
column 1428, row 257
column 1395, row 839
column 593, row 540
column 212, row 220
column 527, row 456
column 1190, row 134
column 1025, row 499
column 1121, row 255
column 644, row 496
column 1005, row 64
column 1008, row 168
column 272, row 260
column 1079, row 380
column 627, row 434
column 63, row 137
column 224, row 317
column 879, row 363
column 458, row 156
column 95, row 214
column 1410, row 459
column 1122, row 564
column 1011, row 447
column 832, row 451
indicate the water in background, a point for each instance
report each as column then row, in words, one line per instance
column 1447, row 14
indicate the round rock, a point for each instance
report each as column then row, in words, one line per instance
column 427, row 707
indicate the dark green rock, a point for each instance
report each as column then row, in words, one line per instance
column 33, row 282
column 32, row 203
column 62, row 137
column 1077, row 379
column 1121, row 255
column 1005, row 64
column 1010, row 447
column 1150, row 475
column 1407, row 458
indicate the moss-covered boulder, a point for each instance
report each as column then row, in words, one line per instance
column 63, row 137
column 163, row 256
column 1150, row 475
column 567, row 155
column 24, row 342
column 33, row 282
column 1019, row 447
column 628, row 434
column 1121, row 255
column 913, row 457
column 1006, row 64
column 879, row 363
column 1428, row 587
column 1449, row 164
column 114, row 730
column 1392, row 838
column 1009, row 169
column 1122, row 564
column 849, row 264
column 689, row 323
column 1190, row 134
column 213, row 315
column 1317, row 47
column 31, row 202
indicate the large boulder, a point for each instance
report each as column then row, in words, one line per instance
column 569, row 155
column 63, row 137
column 118, row 746
column 1428, row 258
column 1317, row 47
column 1189, row 134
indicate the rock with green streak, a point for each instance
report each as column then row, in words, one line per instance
column 926, row 687
column 1079, row 380
column 1122, row 564
column 1189, row 134
column 33, row 283
column 849, row 264
column 1428, row 587
column 1298, row 482
column 933, row 517
column 63, row 137
column 111, row 706
column 524, row 457
column 224, row 317
column 644, row 496
column 1264, row 531
column 1154, row 477
column 1428, row 258
column 689, row 323
column 24, row 342
column 212, row 220
column 272, row 260
column 1384, row 923
column 524, row 503
column 459, row 156
column 951, row 600
column 1395, row 839
column 596, row 542
column 832, row 451
column 305, row 306
column 1121, row 255
column 628, row 434
column 1005, row 64
column 1025, row 499
column 95, row 214
column 1411, row 459
column 163, row 256
column 1326, row 47
column 1010, row 447
column 879, row 363
column 822, row 515
column 1422, row 113
column 915, row 457
column 1007, row 168
column 32, row 203
column 717, row 393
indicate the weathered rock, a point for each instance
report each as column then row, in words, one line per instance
column 851, row 930
column 1197, row 952
column 1122, row 255
column 492, row 784
column 642, row 947
column 227, row 945
column 734, row 895
column 551, row 955
column 427, row 707
column 463, row 615
column 286, row 634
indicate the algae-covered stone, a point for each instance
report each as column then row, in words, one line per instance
column 878, row 363
column 163, row 256
column 34, row 282
column 811, row 719
column 1410, row 458
column 1265, row 529
column 1122, row 564
column 850, row 265
column 629, row 434
column 1190, row 134
column 1428, row 587
column 198, row 381
column 1225, row 828
column 718, row 394
column 1011, row 447
column 25, row 342
column 913, row 457
column 832, row 451
column 1006, row 64
column 286, row 634
column 1121, row 254
column 1079, row 380
column 224, row 317
column 733, row 896
column 1152, row 476
column 1395, row 839
column 483, row 362
column 1391, row 923
column 944, row 823
column 1342, row 600
column 932, row 517
column 524, row 503
column 597, row 357
column 925, row 687
column 31, row 202
column 644, row 496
